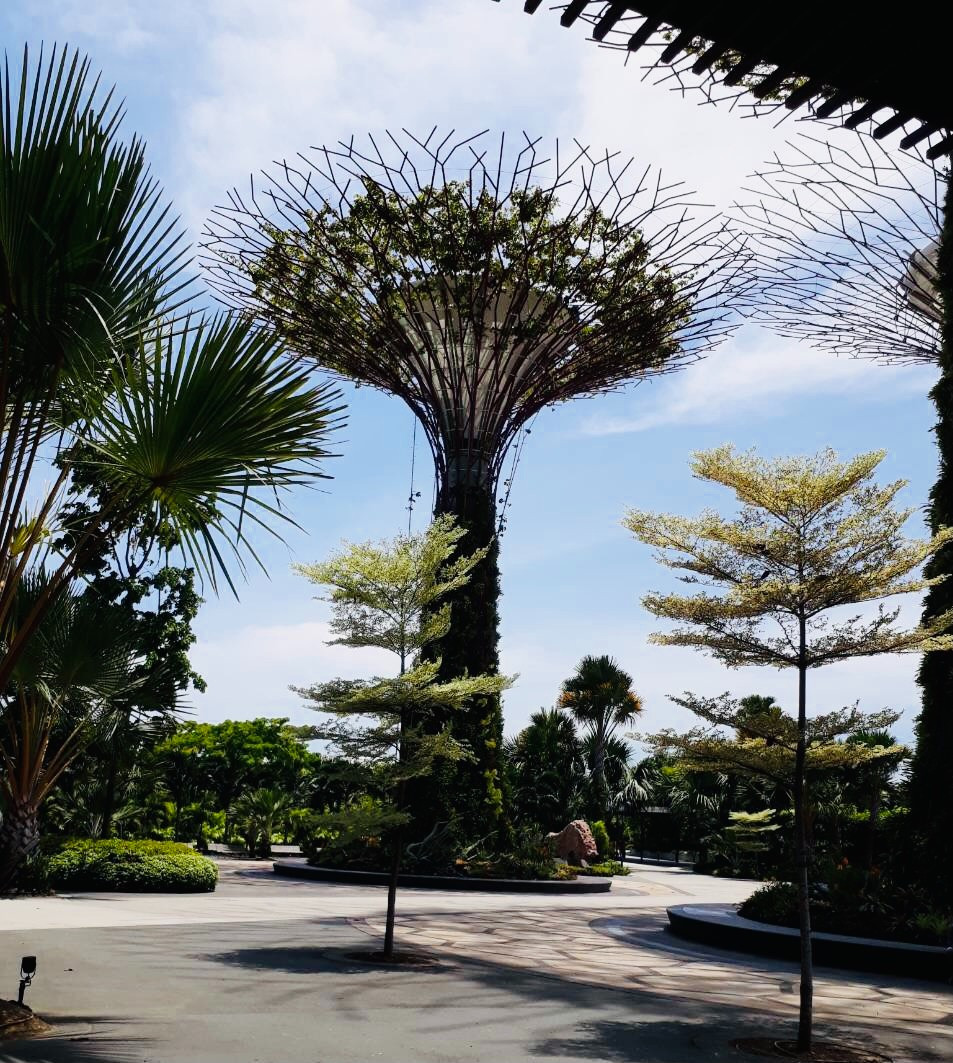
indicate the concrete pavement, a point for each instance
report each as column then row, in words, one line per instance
column 262, row 971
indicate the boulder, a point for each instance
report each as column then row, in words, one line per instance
column 574, row 843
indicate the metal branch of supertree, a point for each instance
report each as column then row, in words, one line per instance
column 844, row 245
column 480, row 280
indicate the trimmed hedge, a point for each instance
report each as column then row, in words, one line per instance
column 130, row 866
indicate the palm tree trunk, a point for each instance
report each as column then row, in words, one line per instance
column 802, row 855
column 109, row 797
column 599, row 773
column 19, row 838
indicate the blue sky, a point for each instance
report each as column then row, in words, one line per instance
column 220, row 89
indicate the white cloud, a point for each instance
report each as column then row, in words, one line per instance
column 710, row 148
column 249, row 670
column 749, row 375
column 279, row 79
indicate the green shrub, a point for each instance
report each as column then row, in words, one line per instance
column 601, row 837
column 133, row 866
column 854, row 902
column 605, row 868
column 774, row 903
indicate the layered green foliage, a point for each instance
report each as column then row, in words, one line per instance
column 131, row 866
column 341, row 284
column 813, row 535
column 765, row 746
column 391, row 596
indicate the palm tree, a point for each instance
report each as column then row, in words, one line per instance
column 70, row 683
column 257, row 811
column 200, row 422
column 545, row 766
column 872, row 779
column 599, row 696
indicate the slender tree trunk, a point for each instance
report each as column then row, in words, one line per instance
column 392, row 892
column 19, row 838
column 599, row 774
column 873, row 817
column 398, row 848
column 802, row 857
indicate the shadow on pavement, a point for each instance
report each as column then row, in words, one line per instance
column 306, row 959
column 531, row 1003
column 66, row 1047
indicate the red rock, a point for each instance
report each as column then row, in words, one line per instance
column 574, row 843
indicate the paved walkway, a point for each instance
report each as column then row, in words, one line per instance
column 261, row 970
column 249, row 891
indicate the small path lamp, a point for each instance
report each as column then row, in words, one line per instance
column 27, row 971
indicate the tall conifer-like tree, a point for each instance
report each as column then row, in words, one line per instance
column 481, row 284
column 813, row 535
column 852, row 247
column 396, row 596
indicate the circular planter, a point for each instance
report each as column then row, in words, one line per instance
column 302, row 869
column 721, row 925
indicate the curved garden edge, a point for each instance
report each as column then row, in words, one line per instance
column 720, row 924
column 301, row 869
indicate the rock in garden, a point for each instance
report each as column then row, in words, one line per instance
column 574, row 843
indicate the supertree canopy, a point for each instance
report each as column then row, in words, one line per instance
column 844, row 247
column 480, row 283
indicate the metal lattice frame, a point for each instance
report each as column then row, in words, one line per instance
column 477, row 354
column 844, row 245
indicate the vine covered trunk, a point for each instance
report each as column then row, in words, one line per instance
column 930, row 790
column 468, row 792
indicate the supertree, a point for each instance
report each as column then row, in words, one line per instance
column 852, row 251
column 844, row 244
column 480, row 283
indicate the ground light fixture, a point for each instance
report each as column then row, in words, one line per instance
column 27, row 971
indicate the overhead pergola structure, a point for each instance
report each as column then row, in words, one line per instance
column 840, row 60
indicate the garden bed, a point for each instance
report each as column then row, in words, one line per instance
column 721, row 925
column 17, row 1020
column 302, row 869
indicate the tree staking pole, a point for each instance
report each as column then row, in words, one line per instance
column 481, row 283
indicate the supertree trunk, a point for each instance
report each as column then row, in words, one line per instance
column 481, row 284
column 470, row 791
column 19, row 838
column 931, row 793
